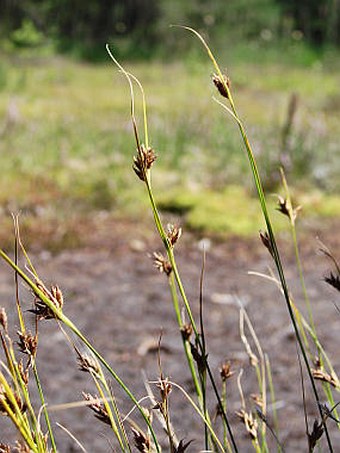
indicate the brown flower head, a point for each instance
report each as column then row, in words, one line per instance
column 142, row 442
column 315, row 435
column 41, row 310
column 182, row 446
column 186, row 331
column 162, row 263
column 98, row 408
column 266, row 241
column 286, row 209
column 22, row 447
column 225, row 371
column 258, row 400
column 143, row 161
column 165, row 388
column 283, row 206
column 7, row 401
column 88, row 364
column 333, row 280
column 249, row 422
column 322, row 375
column 221, row 84
column 173, row 234
column 24, row 371
column 28, row 343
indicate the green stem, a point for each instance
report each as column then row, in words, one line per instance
column 172, row 260
column 42, row 399
column 108, row 409
column 59, row 315
column 186, row 344
column 275, row 252
column 77, row 332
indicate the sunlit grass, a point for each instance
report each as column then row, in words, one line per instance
column 66, row 140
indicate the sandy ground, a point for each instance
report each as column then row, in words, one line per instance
column 119, row 300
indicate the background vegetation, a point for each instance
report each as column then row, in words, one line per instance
column 65, row 142
column 139, row 27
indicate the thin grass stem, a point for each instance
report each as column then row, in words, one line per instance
column 263, row 204
column 42, row 399
column 64, row 319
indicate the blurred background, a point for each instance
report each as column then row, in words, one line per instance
column 65, row 138
column 66, row 150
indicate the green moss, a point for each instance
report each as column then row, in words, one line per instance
column 234, row 211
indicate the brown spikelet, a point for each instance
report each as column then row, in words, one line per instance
column 321, row 375
column 181, row 447
column 199, row 358
column 24, row 371
column 143, row 161
column 264, row 236
column 98, row 408
column 5, row 448
column 88, row 364
column 225, row 371
column 249, row 422
column 21, row 447
column 315, row 435
column 41, row 310
column 283, row 206
column 174, row 232
column 186, row 331
column 333, row 280
column 6, row 400
column 258, row 400
column 165, row 388
column 142, row 442
column 286, row 209
column 162, row 263
column 221, row 85
column 28, row 343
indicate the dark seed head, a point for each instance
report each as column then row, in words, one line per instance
column 27, row 343
column 162, row 263
column 221, row 84
column 143, row 161
column 225, row 371
column 142, row 442
column 266, row 241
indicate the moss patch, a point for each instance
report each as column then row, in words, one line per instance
column 234, row 211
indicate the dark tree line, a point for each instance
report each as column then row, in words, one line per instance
column 88, row 23
column 143, row 23
column 318, row 20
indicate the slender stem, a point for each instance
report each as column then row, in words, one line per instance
column 172, row 260
column 186, row 344
column 42, row 399
column 273, row 400
column 261, row 196
column 203, row 374
column 10, row 406
column 108, row 409
column 278, row 263
column 59, row 315
column 77, row 332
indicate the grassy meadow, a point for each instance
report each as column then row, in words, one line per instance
column 66, row 144
column 70, row 166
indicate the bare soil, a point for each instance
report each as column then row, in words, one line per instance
column 122, row 304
